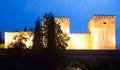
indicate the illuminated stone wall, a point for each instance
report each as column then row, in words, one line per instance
column 80, row 41
column 12, row 37
column 100, row 36
column 102, row 30
column 64, row 22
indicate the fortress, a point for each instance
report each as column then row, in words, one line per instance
column 100, row 36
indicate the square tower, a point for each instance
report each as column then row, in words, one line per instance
column 102, row 30
column 64, row 23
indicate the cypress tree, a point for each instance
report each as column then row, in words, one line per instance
column 25, row 28
column 37, row 43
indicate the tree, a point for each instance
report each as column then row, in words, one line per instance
column 55, row 39
column 49, row 26
column 61, row 38
column 31, row 29
column 25, row 28
column 37, row 39
column 22, row 40
column 18, row 42
column 15, row 49
column 61, row 44
column 53, row 33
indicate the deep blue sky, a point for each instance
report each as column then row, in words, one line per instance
column 15, row 14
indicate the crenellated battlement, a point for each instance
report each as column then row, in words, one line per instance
column 103, row 16
column 101, row 34
column 62, row 17
column 102, row 30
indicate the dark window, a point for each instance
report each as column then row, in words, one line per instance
column 104, row 22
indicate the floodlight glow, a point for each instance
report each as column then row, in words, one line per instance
column 100, row 36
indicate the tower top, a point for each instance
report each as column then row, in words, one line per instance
column 62, row 16
column 103, row 16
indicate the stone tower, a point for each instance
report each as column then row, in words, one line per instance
column 101, row 34
column 102, row 30
column 64, row 23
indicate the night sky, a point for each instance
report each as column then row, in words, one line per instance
column 16, row 14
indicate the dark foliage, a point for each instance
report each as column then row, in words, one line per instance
column 77, row 64
column 31, row 29
column 25, row 28
column 55, row 40
column 49, row 38
column 15, row 54
column 53, row 35
column 26, row 59
column 18, row 42
column 37, row 39
column 61, row 38
column 49, row 27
